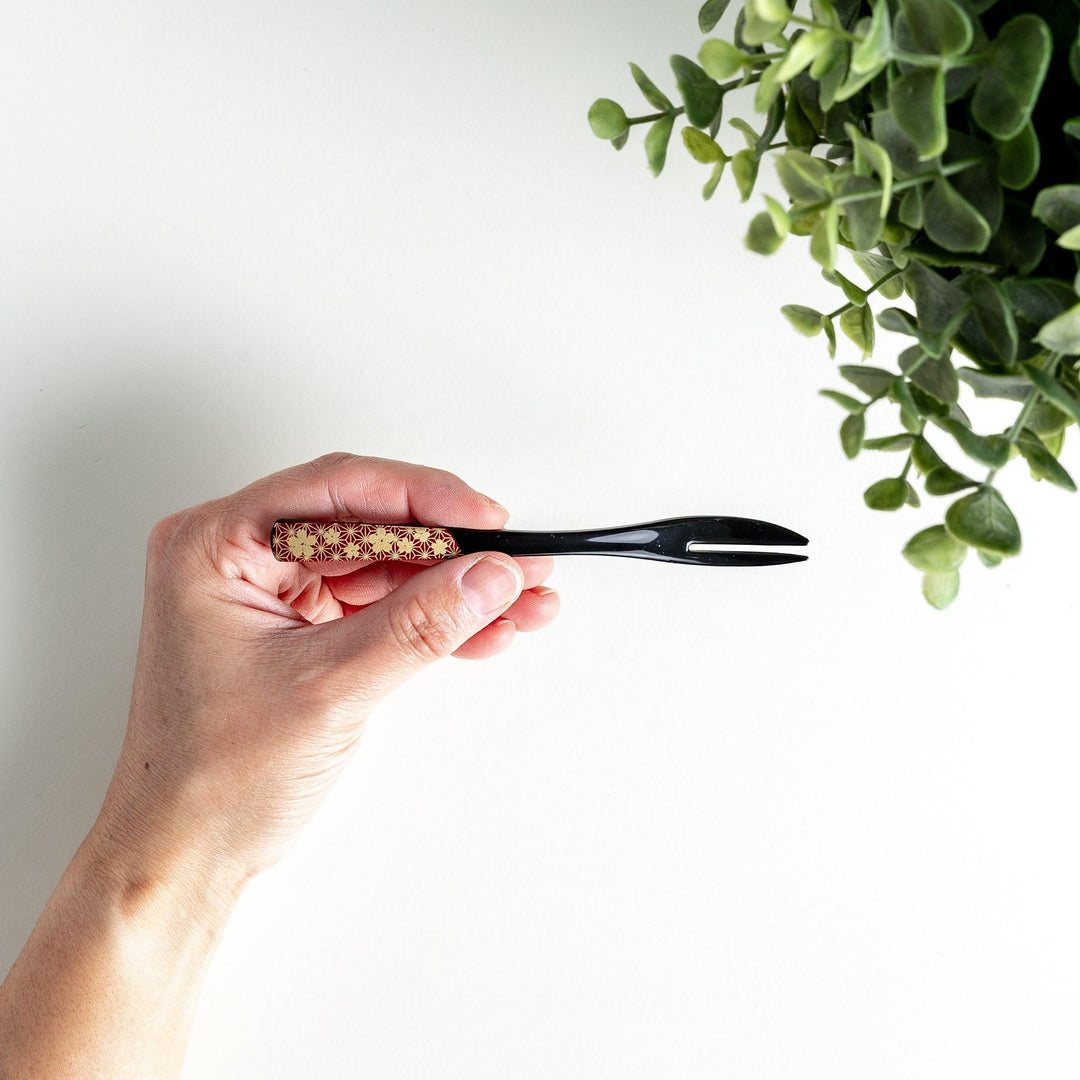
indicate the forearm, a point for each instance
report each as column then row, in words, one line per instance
column 108, row 983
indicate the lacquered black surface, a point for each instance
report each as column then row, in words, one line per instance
column 665, row 541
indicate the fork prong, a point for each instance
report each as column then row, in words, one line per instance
column 739, row 530
column 742, row 558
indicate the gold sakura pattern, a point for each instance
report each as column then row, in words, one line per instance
column 353, row 541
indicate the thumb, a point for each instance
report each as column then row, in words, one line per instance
column 430, row 616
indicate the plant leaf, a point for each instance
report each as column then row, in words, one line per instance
column 802, row 52
column 876, row 267
column 863, row 214
column 872, row 381
column 910, row 416
column 805, row 319
column 750, row 136
column 701, row 147
column 1010, row 81
column 714, row 179
column 943, row 480
column 824, row 238
column 830, row 335
column 764, row 20
column 870, row 157
column 873, row 52
column 900, row 441
column 951, row 221
column 656, row 143
column 935, row 549
column 781, row 221
column 701, row 95
column 940, row 589
column 935, row 375
column 1006, row 387
column 806, row 179
column 989, row 331
column 1058, row 207
column 844, row 400
column 852, row 432
column 939, row 304
column 898, row 321
column 720, row 59
column 710, row 14
column 1063, row 333
column 924, row 456
column 1070, row 240
column 984, row 521
column 917, row 102
column 1035, row 302
column 799, row 130
column 898, row 144
column 762, row 236
column 858, row 324
column 607, row 119
column 910, row 211
column 938, row 27
column 888, row 494
column 744, row 167
column 650, row 90
column 1019, row 158
column 852, row 291
column 1059, row 395
column 1043, row 464
column 989, row 450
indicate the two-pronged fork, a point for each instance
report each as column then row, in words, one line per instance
column 702, row 541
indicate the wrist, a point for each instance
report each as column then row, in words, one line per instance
column 108, row 983
column 151, row 883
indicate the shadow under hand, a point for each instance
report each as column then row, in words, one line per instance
column 110, row 458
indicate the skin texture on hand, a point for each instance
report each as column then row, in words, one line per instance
column 252, row 684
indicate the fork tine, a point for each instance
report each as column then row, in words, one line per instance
column 742, row 558
column 738, row 530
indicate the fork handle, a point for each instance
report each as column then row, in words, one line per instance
column 295, row 540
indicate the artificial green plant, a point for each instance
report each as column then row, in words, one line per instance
column 938, row 141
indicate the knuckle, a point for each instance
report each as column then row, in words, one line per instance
column 336, row 457
column 164, row 533
column 420, row 632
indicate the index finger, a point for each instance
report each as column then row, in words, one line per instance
column 341, row 486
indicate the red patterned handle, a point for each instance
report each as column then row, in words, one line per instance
column 355, row 541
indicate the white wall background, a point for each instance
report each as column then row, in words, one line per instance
column 761, row 823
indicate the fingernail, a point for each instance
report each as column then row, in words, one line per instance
column 494, row 502
column 489, row 585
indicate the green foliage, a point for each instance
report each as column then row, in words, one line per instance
column 935, row 549
column 932, row 146
column 983, row 521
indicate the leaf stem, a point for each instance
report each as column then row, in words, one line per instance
column 799, row 20
column 875, row 192
column 631, row 120
column 1025, row 411
column 945, row 62
column 873, row 289
column 918, row 435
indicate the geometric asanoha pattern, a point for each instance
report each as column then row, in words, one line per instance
column 353, row 541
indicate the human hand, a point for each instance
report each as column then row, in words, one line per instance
column 254, row 677
column 252, row 684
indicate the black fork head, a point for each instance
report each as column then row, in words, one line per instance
column 703, row 540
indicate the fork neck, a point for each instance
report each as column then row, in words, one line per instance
column 626, row 540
